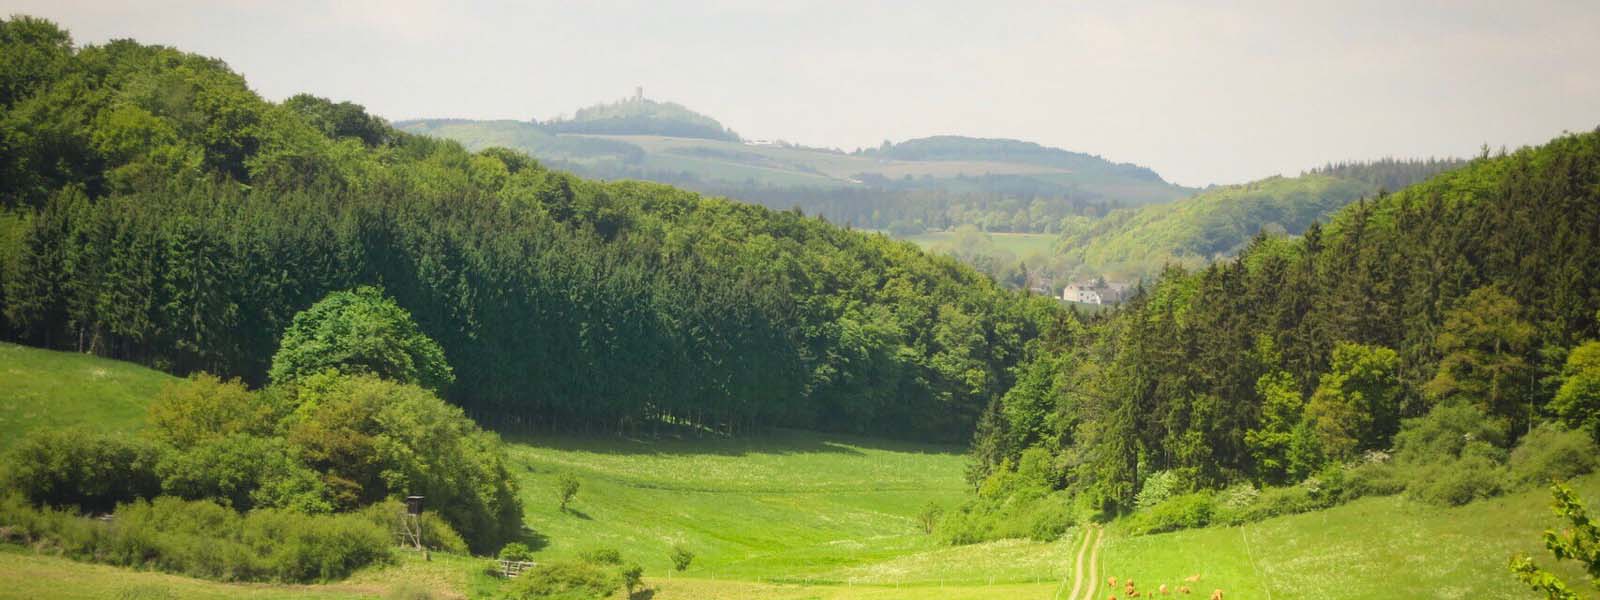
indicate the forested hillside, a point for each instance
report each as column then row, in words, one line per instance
column 1442, row 323
column 158, row 210
column 1217, row 223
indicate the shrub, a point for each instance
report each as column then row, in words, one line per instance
column 1187, row 511
column 437, row 534
column 1049, row 520
column 601, row 556
column 1158, row 487
column 564, row 580
column 632, row 577
column 1458, row 482
column 244, row 472
column 1371, row 478
column 204, row 408
column 1552, row 453
column 566, row 489
column 1028, row 512
column 516, row 551
column 89, row 471
column 375, row 439
column 928, row 517
column 1445, row 432
column 206, row 540
column 1279, row 501
column 1232, row 505
column 681, row 557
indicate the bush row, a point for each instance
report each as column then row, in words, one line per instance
column 204, row 539
column 1448, row 458
column 333, row 443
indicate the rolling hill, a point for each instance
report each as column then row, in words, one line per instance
column 1136, row 243
column 928, row 183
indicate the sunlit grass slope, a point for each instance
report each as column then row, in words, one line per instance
column 1371, row 548
column 43, row 388
column 24, row 574
column 790, row 505
column 1022, row 245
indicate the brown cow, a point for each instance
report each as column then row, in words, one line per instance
column 1112, row 580
column 1192, row 578
column 1183, row 589
column 1216, row 595
column 1163, row 589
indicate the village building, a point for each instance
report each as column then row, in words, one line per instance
column 1097, row 291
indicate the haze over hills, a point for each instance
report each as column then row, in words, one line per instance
column 1117, row 220
column 927, row 183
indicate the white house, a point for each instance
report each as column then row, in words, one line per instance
column 1097, row 291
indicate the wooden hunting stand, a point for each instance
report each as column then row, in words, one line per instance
column 411, row 525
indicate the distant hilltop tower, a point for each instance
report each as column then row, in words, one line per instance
column 638, row 93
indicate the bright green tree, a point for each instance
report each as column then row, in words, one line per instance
column 1356, row 404
column 360, row 331
column 1578, row 400
column 566, row 489
column 1580, row 543
column 1484, row 346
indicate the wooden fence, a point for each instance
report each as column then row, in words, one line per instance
column 513, row 568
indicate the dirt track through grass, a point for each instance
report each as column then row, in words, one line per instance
column 1094, row 565
column 1083, row 584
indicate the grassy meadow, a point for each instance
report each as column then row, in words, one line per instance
column 44, row 388
column 1020, row 244
column 800, row 515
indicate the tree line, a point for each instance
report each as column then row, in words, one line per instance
column 158, row 210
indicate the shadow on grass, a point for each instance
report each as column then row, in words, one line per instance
column 684, row 442
column 577, row 513
column 644, row 594
column 534, row 540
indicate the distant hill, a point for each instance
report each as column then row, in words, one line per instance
column 954, row 147
column 1216, row 223
column 933, row 183
column 642, row 116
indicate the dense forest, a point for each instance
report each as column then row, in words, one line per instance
column 157, row 210
column 1444, row 322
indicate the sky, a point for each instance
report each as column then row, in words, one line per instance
column 1201, row 92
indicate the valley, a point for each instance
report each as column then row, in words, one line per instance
column 803, row 515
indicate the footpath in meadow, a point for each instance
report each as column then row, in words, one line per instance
column 1084, row 584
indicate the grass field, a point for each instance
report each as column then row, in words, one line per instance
column 801, row 515
column 40, row 388
column 1020, row 244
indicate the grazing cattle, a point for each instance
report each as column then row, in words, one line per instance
column 1192, row 578
column 1216, row 595
column 1112, row 580
column 1183, row 589
column 1163, row 589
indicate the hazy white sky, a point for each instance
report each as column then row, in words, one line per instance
column 1201, row 92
